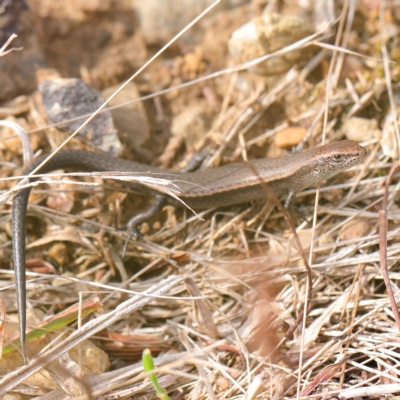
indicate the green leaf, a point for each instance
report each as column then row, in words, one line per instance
column 60, row 320
column 148, row 366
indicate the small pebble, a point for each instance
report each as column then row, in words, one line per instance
column 191, row 125
column 92, row 359
column 63, row 200
column 194, row 61
column 326, row 240
column 355, row 229
column 59, row 253
column 290, row 137
column 361, row 129
column 223, row 383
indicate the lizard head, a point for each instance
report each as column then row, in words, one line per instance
column 330, row 159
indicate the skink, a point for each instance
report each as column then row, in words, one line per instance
column 222, row 186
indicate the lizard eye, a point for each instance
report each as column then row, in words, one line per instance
column 338, row 158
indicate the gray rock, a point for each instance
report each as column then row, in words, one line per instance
column 65, row 99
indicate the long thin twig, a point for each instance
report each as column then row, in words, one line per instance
column 383, row 245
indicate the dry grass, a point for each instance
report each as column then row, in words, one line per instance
column 213, row 294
